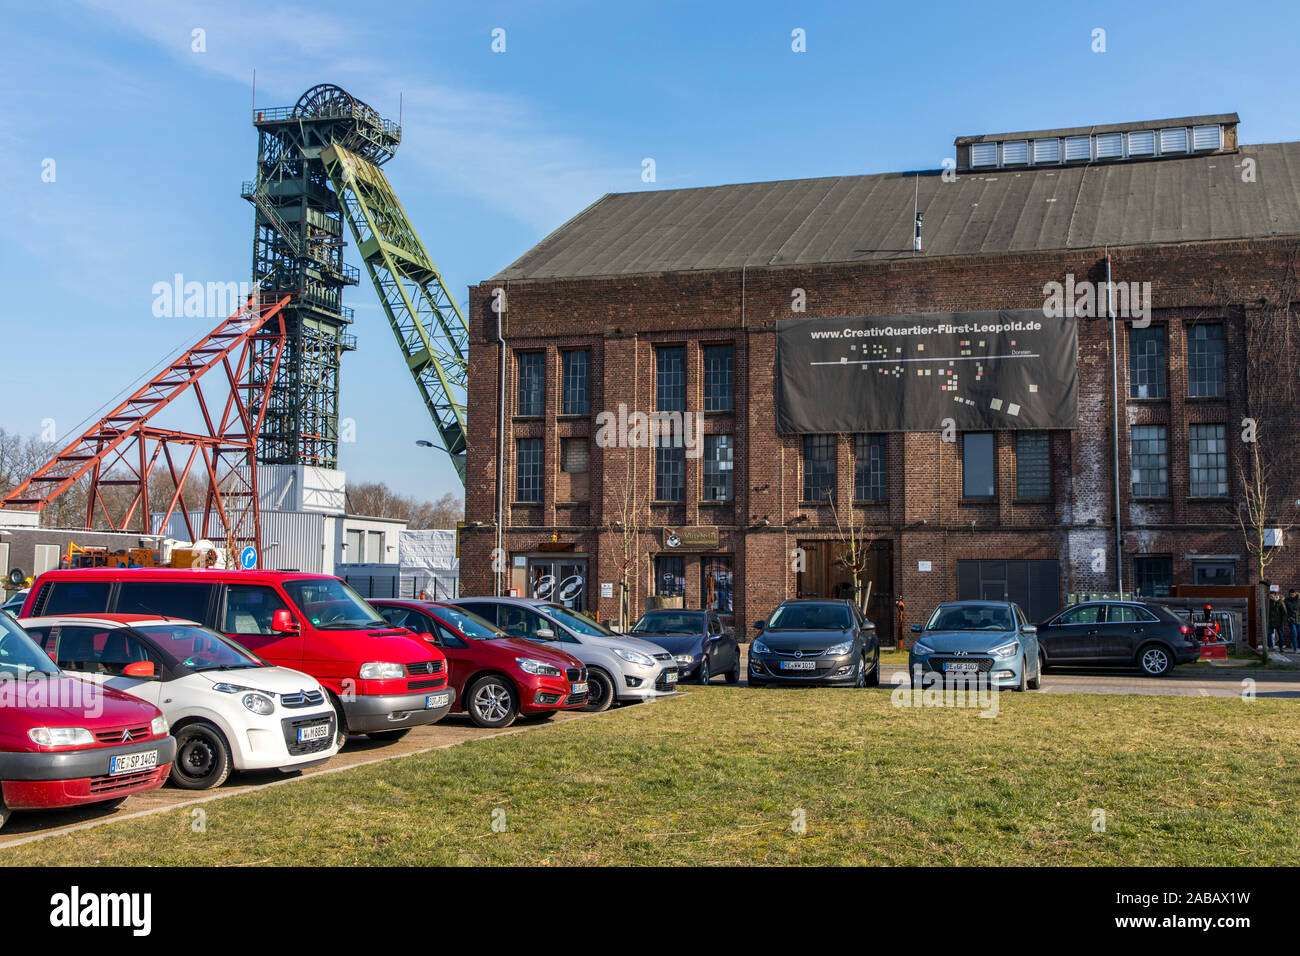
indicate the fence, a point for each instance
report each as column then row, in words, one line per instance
column 416, row 587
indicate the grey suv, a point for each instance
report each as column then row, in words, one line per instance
column 622, row 669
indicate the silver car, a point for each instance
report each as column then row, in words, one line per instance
column 622, row 669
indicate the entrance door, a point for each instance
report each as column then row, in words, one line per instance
column 562, row 580
column 825, row 575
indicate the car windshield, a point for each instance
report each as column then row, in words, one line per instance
column 670, row 622
column 575, row 621
column 471, row 625
column 810, row 617
column 20, row 657
column 970, row 617
column 331, row 605
column 199, row 649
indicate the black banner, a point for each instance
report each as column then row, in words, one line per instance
column 882, row 373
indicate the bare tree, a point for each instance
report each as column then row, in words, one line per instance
column 854, row 548
column 632, row 523
column 376, row 499
column 1261, row 508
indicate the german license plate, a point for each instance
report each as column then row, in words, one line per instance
column 671, row 677
column 132, row 763
column 580, row 687
column 317, row 732
column 798, row 665
column 434, row 701
column 950, row 666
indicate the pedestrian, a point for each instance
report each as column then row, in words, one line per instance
column 1276, row 620
column 1293, row 618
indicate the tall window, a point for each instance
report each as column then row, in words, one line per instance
column 716, row 580
column 670, row 575
column 1207, row 459
column 670, row 473
column 717, row 467
column 869, row 468
column 978, row 469
column 1149, row 451
column 528, row 469
column 1205, row 361
column 1146, row 362
column 576, row 378
column 818, row 467
column 670, row 379
column 718, row 362
column 532, row 383
column 1153, row 576
column 1033, row 465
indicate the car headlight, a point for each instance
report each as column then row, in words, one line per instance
column 382, row 670
column 635, row 657
column 1006, row 650
column 919, row 648
column 230, row 688
column 61, row 736
column 758, row 647
column 684, row 659
column 259, row 704
column 839, row 650
column 540, row 668
column 159, row 725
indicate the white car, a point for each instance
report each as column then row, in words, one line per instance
column 227, row 708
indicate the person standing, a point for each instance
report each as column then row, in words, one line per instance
column 1276, row 620
column 1292, row 603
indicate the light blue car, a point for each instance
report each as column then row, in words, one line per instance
column 990, row 641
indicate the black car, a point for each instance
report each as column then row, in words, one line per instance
column 1140, row 633
column 702, row 646
column 814, row 641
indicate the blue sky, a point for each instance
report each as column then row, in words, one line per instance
column 151, row 140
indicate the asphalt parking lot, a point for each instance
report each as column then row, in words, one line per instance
column 457, row 728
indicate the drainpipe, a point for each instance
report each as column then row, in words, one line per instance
column 1114, row 395
column 501, row 443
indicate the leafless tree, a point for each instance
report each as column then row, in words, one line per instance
column 632, row 523
column 853, row 553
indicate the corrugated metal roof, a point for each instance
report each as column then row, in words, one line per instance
column 869, row 218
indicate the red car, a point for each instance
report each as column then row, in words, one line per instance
column 496, row 677
column 65, row 742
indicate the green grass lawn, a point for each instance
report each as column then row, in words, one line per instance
column 715, row 776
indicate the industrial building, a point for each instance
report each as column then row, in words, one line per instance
column 675, row 301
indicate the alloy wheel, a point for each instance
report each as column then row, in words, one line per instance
column 492, row 702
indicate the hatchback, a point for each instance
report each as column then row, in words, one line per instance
column 1124, row 633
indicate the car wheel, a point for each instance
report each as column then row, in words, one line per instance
column 733, row 675
column 492, row 702
column 1037, row 679
column 340, row 723
column 1024, row 676
column 1155, row 660
column 862, row 672
column 1042, row 663
column 5, row 814
column 202, row 758
column 873, row 679
column 703, row 677
column 600, row 692
column 389, row 735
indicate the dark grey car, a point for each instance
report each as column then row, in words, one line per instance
column 812, row 641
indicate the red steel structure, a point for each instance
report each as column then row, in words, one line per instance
column 123, row 448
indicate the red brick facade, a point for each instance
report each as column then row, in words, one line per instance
column 621, row 320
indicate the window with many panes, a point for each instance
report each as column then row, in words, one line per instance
column 670, row 473
column 869, row 468
column 670, row 379
column 1207, row 459
column 718, row 451
column 1205, row 361
column 1146, row 362
column 1149, row 456
column 670, row 575
column 818, row 467
column 718, row 373
column 716, row 583
column 532, row 383
column 528, row 469
column 1153, row 576
column 575, row 375
column 978, row 466
column 1033, row 465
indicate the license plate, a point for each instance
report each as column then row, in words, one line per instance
column 434, row 701
column 798, row 665
column 133, row 763
column 960, row 666
column 671, row 677
column 580, row 687
column 308, row 734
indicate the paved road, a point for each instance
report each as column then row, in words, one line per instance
column 1267, row 684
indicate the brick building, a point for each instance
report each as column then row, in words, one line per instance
column 671, row 299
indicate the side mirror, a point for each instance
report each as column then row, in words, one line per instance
column 282, row 622
column 141, row 669
column 545, row 634
column 1028, row 629
column 759, row 625
column 426, row 636
column 916, row 628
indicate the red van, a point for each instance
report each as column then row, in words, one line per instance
column 383, row 681
column 65, row 742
